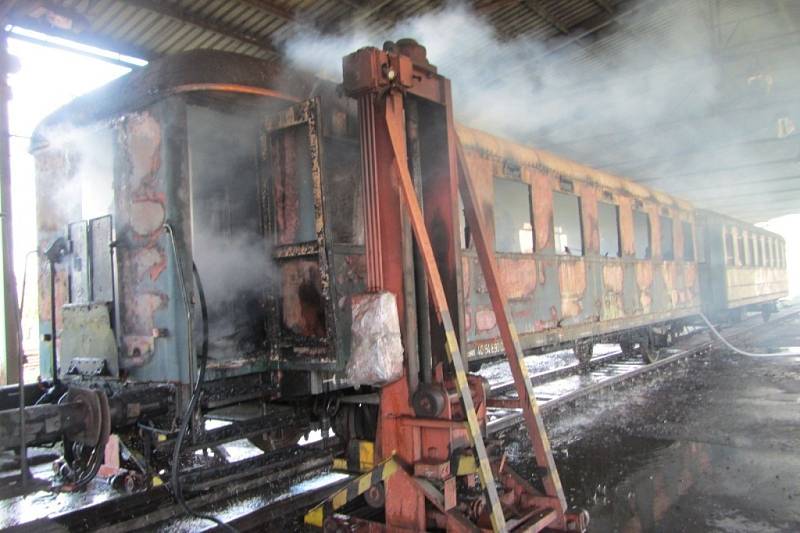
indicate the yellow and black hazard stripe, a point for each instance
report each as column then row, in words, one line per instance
column 359, row 457
column 484, row 467
column 383, row 471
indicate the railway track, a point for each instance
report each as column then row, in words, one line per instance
column 562, row 386
column 230, row 488
column 555, row 388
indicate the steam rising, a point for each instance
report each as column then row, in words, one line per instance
column 498, row 85
column 685, row 96
column 234, row 266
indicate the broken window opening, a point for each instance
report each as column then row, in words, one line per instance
column 729, row 255
column 641, row 235
column 513, row 226
column 608, row 224
column 688, row 241
column 567, row 228
column 667, row 239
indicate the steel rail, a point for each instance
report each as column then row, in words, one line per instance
column 552, row 374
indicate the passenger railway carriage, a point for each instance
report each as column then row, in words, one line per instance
column 584, row 255
column 742, row 267
column 251, row 172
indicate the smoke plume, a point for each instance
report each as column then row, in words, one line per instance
column 520, row 88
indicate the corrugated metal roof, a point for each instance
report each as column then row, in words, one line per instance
column 152, row 28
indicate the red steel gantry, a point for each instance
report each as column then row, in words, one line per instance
column 432, row 421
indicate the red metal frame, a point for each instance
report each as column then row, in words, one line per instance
column 429, row 447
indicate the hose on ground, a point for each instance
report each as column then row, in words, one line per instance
column 739, row 351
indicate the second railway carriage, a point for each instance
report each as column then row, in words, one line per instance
column 584, row 255
column 742, row 267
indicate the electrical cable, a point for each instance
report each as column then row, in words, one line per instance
column 187, row 415
column 737, row 350
column 175, row 482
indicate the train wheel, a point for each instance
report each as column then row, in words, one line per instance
column 649, row 351
column 643, row 346
column 628, row 348
column 583, row 352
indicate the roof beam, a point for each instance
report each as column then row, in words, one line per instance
column 183, row 15
column 21, row 17
column 268, row 7
column 604, row 5
column 537, row 7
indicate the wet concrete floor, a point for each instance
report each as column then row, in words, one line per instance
column 711, row 446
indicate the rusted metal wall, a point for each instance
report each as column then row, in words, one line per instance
column 554, row 297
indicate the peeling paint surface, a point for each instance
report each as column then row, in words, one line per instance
column 552, row 297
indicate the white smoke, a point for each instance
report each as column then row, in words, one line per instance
column 517, row 88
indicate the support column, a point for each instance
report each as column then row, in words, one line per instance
column 9, row 362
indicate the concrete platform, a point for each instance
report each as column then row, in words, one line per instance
column 714, row 446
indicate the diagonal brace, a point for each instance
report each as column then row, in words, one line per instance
column 508, row 333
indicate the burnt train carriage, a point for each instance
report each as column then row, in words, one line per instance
column 213, row 159
column 742, row 267
column 583, row 254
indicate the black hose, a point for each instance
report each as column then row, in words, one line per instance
column 187, row 415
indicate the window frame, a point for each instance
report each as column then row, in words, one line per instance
column 740, row 260
column 770, row 259
column 615, row 207
column 662, row 240
column 686, row 224
column 758, row 260
column 730, row 254
column 649, row 249
column 579, row 202
column 529, row 196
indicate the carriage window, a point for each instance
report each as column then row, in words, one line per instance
column 755, row 248
column 728, row 247
column 667, row 239
column 775, row 253
column 293, row 185
column 783, row 255
column 567, row 224
column 608, row 222
column 751, row 242
column 641, row 235
column 768, row 249
column 513, row 228
column 740, row 247
column 702, row 235
column 688, row 242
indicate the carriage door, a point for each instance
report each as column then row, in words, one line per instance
column 299, row 315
